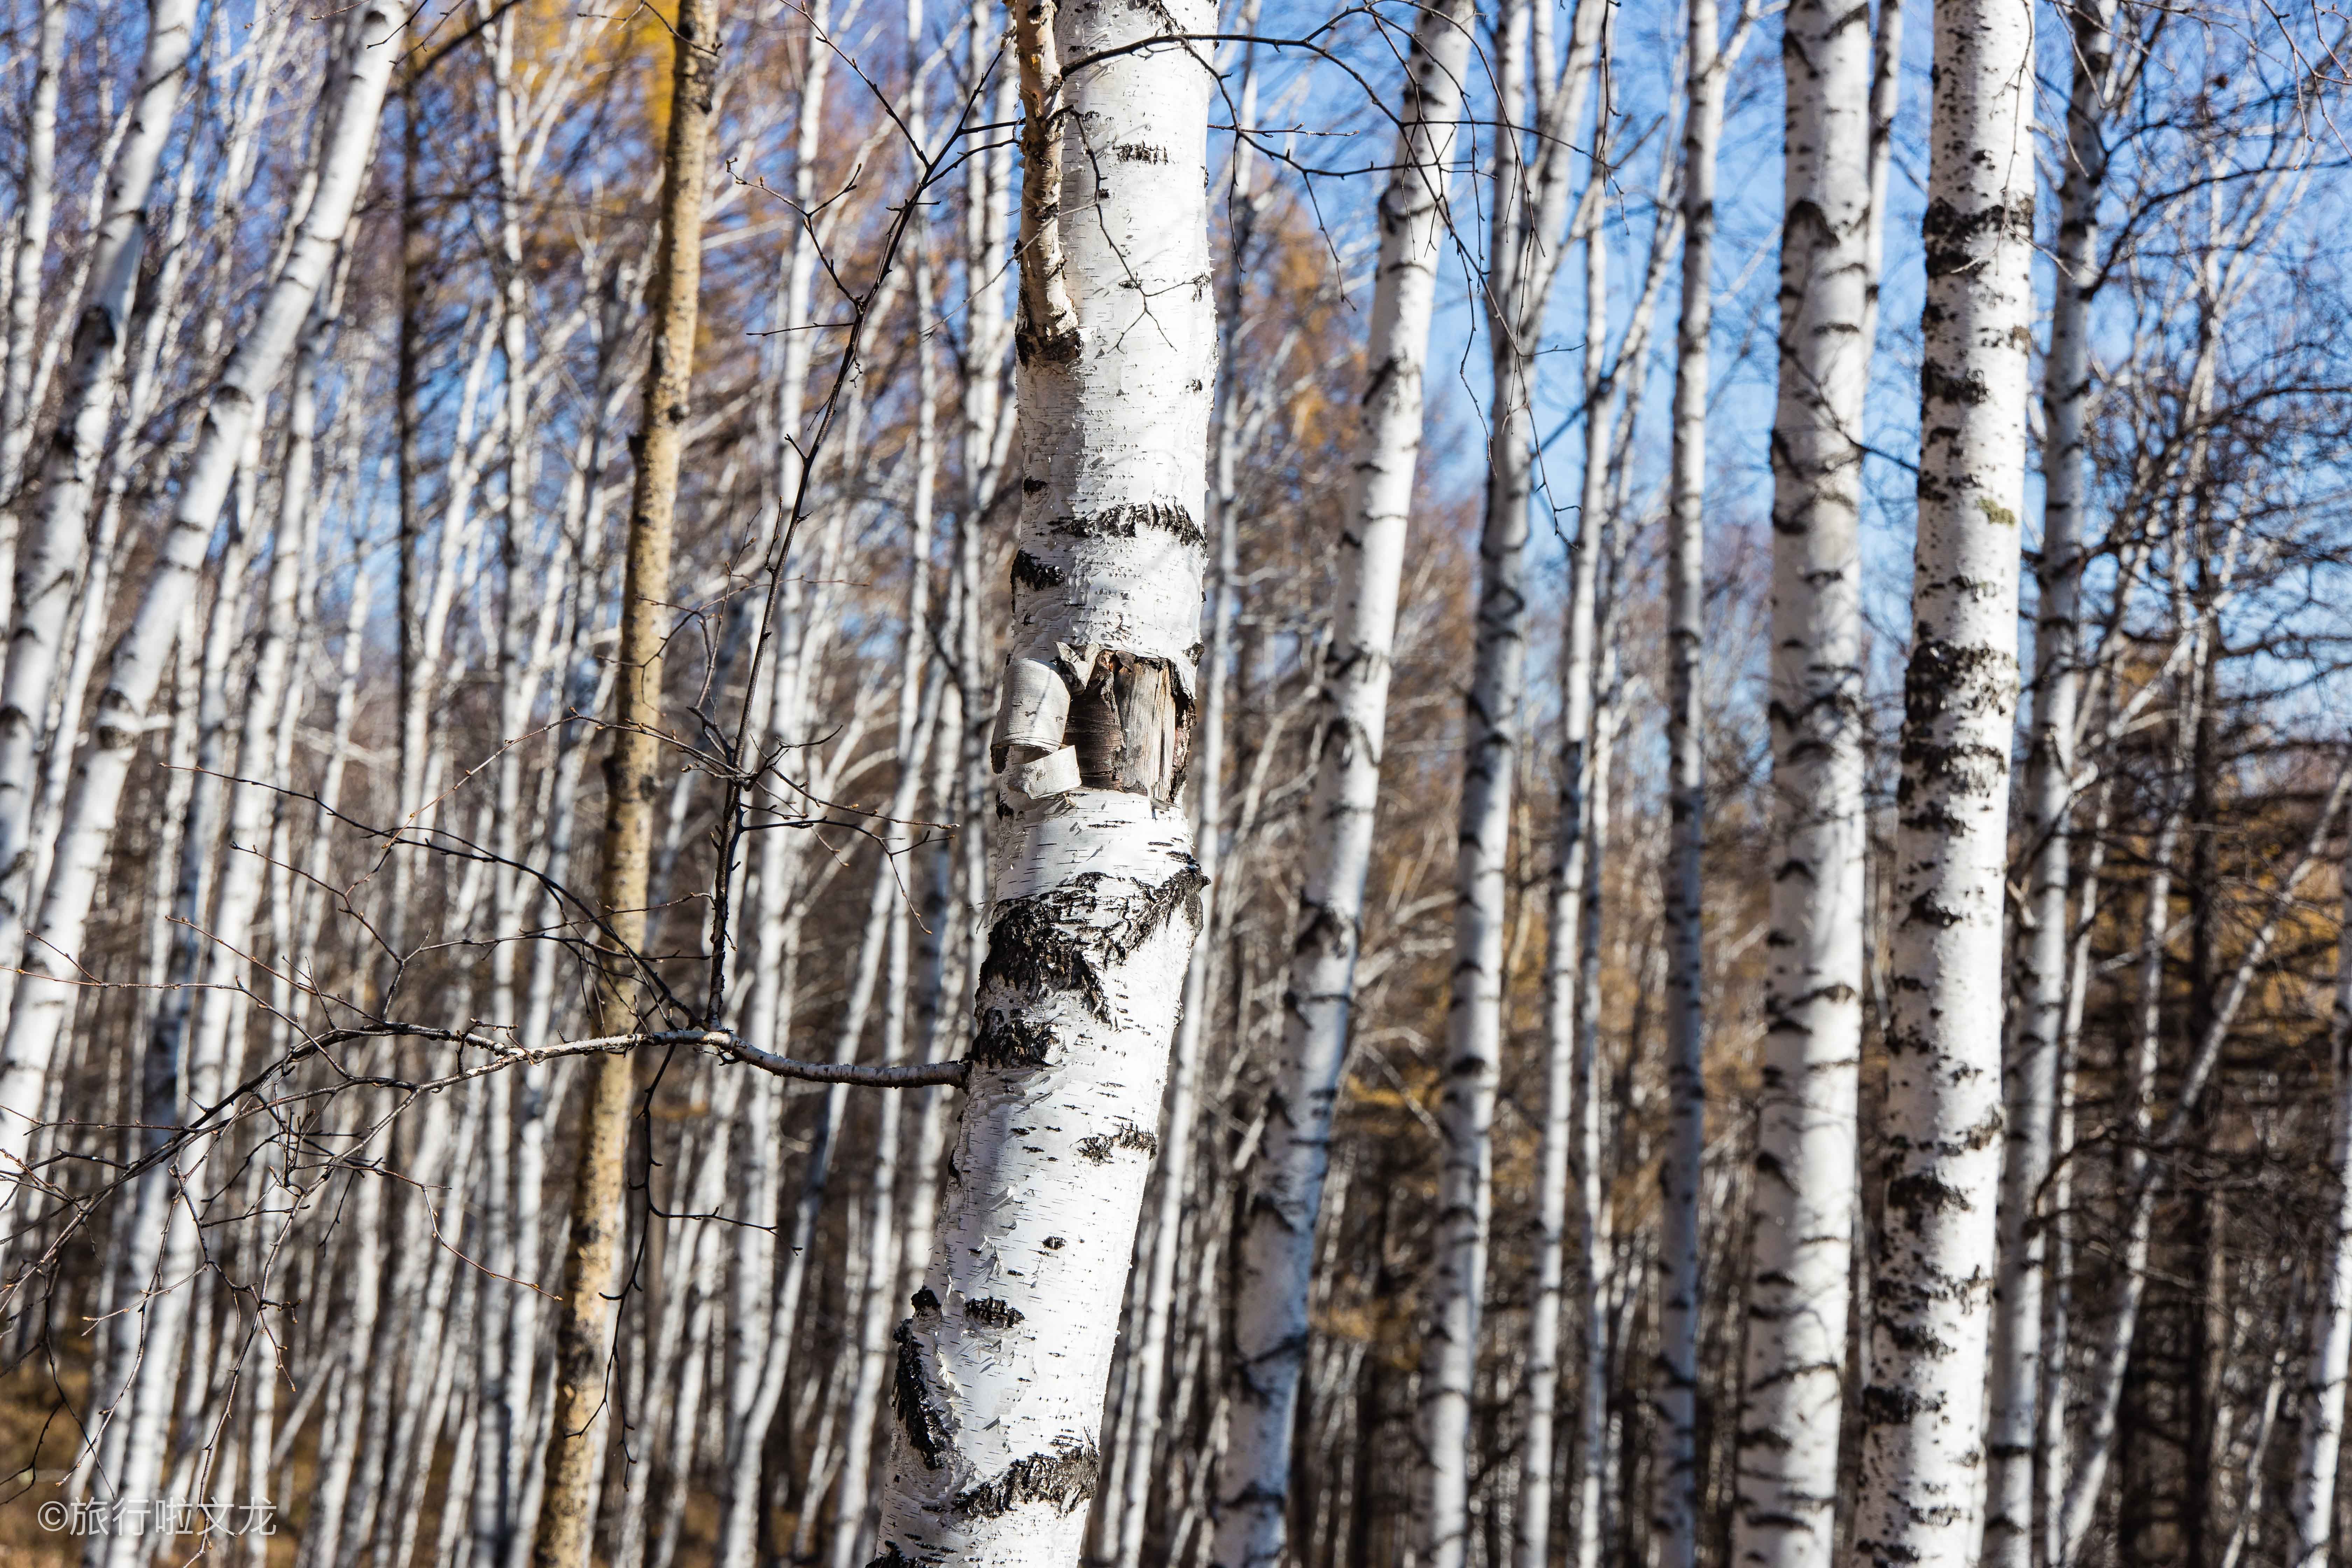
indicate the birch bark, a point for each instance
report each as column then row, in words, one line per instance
column 1094, row 912
column 1277, row 1246
column 1804, row 1192
column 1571, row 960
column 919, row 704
column 49, row 548
column 351, row 101
column 35, row 204
column 2031, row 1091
column 1526, row 236
column 1681, row 1171
column 1923, row 1459
column 1490, row 764
column 2311, row 1507
column 1126, row 1512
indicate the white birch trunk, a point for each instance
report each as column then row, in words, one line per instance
column 920, row 701
column 2030, row 1092
column 1524, row 248
column 1922, row 1457
column 1803, row 1194
column 49, row 548
column 1277, row 1247
column 353, row 99
column 1093, row 911
column 1491, row 757
column 2311, row 1507
column 201, row 1045
column 1571, row 960
column 1681, row 1171
column 35, row 204
column 1527, row 243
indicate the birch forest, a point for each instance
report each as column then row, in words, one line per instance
column 1175, row 784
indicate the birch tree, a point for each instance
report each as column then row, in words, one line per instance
column 2031, row 1074
column 1094, row 889
column 1680, row 1173
column 1277, row 1247
column 1802, row 1195
column 2312, row 1503
column 1923, row 1454
column 351, row 105
column 36, row 206
column 47, row 549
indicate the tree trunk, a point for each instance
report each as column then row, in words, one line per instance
column 1572, row 964
column 2030, row 1092
column 1802, row 1196
column 352, row 100
column 1527, row 229
column 1002, row 1367
column 1681, row 1171
column 2312, row 1503
column 35, row 204
column 1277, row 1246
column 1922, row 1448
column 46, row 552
column 584, row 1325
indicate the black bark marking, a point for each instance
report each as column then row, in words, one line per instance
column 1005, row 1040
column 1102, row 1145
column 1028, row 572
column 1030, row 952
column 1034, row 347
column 1123, row 521
column 1042, row 946
column 1920, row 1192
column 1884, row 1406
column 1064, row 1479
column 927, row 1427
column 990, row 1312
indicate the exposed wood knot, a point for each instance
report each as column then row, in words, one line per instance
column 1131, row 726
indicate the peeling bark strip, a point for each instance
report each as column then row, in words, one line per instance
column 1095, row 895
column 1802, row 1195
column 1922, row 1457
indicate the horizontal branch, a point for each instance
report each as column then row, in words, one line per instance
column 901, row 1075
